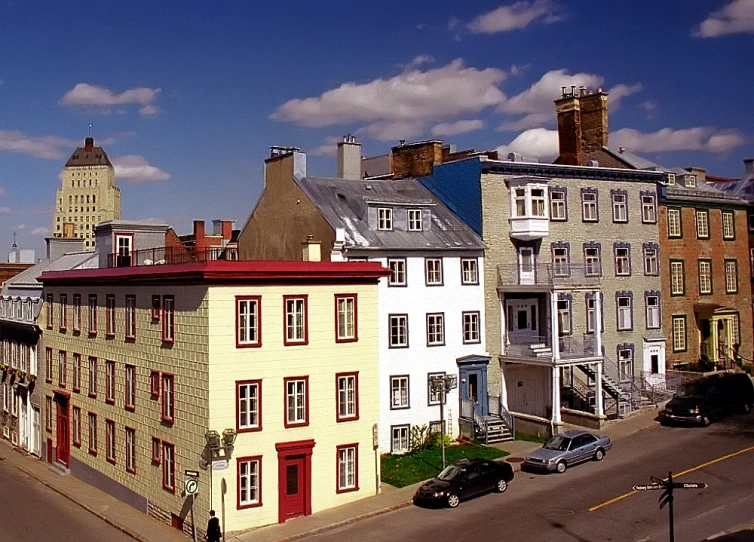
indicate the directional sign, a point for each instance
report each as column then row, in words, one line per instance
column 191, row 473
column 649, row 487
column 656, row 480
column 191, row 485
column 689, row 485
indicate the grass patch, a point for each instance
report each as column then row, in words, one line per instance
column 404, row 470
column 531, row 437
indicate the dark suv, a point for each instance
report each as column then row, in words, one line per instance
column 709, row 398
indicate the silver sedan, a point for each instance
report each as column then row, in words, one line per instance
column 566, row 449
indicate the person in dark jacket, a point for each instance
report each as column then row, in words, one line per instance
column 214, row 534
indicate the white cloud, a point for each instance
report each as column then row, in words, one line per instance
column 3, row 191
column 392, row 131
column 418, row 61
column 514, row 17
column 737, row 17
column 5, row 210
column 329, row 147
column 457, row 127
column 44, row 232
column 101, row 99
column 51, row 147
column 620, row 91
column 136, row 169
column 537, row 143
column 701, row 138
column 413, row 96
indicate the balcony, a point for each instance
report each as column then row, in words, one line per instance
column 538, row 348
column 529, row 228
column 171, row 255
column 545, row 277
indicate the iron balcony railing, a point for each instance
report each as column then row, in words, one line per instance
column 548, row 274
column 171, row 255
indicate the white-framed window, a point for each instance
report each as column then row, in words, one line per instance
column 92, row 433
column 731, row 277
column 520, row 200
column 249, row 488
column 399, row 438
column 592, row 265
column 676, row 278
column 130, row 449
column 591, row 313
column 247, row 318
column 435, row 329
column 76, row 372
column 168, row 467
column 702, row 224
column 62, row 367
column 109, row 381
column 648, row 210
column 433, row 271
column 471, row 327
column 14, row 402
column 384, row 219
column 564, row 316
column 671, row 179
column 560, row 261
column 735, row 329
column 729, row 228
column 653, row 312
column 168, row 319
column 651, row 264
column 674, row 223
column 92, row 314
column 110, row 315
column 679, row 333
column 248, row 406
column 398, row 330
column 348, row 467
column 690, row 181
column 130, row 399
column 348, row 396
column 296, row 399
column 557, row 205
column 76, row 312
column 295, row 320
column 625, row 321
column 110, row 440
column 397, row 272
column 620, row 212
column 76, row 418
column 130, row 317
column 123, row 246
column 469, row 271
column 414, row 220
column 625, row 364
column 705, row 277
column 62, row 315
column 92, row 376
column 589, row 206
column 346, row 313
column 538, row 204
column 399, row 392
column 622, row 261
column 168, row 397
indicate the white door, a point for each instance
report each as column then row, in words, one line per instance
column 523, row 318
column 23, row 423
column 526, row 269
column 654, row 365
column 34, row 446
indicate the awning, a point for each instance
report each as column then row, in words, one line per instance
column 706, row 310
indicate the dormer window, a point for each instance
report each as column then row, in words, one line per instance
column 414, row 220
column 671, row 179
column 529, row 208
column 384, row 219
column 690, row 181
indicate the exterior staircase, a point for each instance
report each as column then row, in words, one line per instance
column 608, row 384
column 496, row 429
column 541, row 351
column 497, row 426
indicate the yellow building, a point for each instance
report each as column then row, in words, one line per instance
column 261, row 376
column 88, row 194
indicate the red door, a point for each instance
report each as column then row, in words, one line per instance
column 63, row 433
column 294, row 490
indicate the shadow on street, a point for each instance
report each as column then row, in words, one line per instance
column 747, row 535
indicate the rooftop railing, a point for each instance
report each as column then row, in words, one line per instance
column 550, row 275
column 171, row 255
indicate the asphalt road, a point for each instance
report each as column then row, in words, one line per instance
column 595, row 501
column 30, row 511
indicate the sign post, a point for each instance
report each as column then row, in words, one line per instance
column 191, row 487
column 375, row 446
column 667, row 495
column 442, row 384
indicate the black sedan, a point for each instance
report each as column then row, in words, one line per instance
column 463, row 479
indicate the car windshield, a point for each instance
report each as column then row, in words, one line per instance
column 558, row 443
column 688, row 391
column 451, row 472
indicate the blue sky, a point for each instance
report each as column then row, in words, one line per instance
column 187, row 97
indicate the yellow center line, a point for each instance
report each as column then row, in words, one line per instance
column 692, row 469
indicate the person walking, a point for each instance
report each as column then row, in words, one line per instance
column 214, row 534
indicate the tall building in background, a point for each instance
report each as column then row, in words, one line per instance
column 88, row 194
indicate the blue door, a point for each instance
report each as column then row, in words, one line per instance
column 472, row 372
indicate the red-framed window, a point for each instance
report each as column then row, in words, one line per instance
column 110, row 382
column 296, row 320
column 156, row 307
column 92, row 433
column 168, row 397
column 248, row 406
column 76, row 372
column 346, row 318
column 63, row 312
column 156, row 451
column 249, row 484
column 248, row 321
column 76, row 415
column 168, row 466
column 168, row 319
column 48, row 365
column 92, row 314
column 48, row 411
column 62, row 368
column 154, row 383
column 130, row 317
column 110, row 315
column 130, row 434
column 130, row 388
column 296, row 391
column 110, row 441
column 347, row 458
column 50, row 309
column 347, row 400
column 93, row 369
column 76, row 312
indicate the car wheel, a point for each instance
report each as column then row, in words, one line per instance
column 501, row 486
column 706, row 420
column 599, row 454
column 453, row 500
column 561, row 467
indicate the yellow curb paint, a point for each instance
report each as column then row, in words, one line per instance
column 692, row 469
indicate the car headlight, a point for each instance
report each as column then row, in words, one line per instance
column 551, row 460
column 437, row 494
column 696, row 410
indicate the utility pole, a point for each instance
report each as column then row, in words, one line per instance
column 441, row 385
column 667, row 498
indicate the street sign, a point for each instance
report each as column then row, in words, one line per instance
column 649, row 487
column 221, row 464
column 689, row 485
column 191, row 485
column 191, row 473
column 656, row 480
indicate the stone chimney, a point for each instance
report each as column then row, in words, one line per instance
column 699, row 172
column 749, row 166
column 58, row 246
column 349, row 158
column 569, row 127
column 416, row 159
column 89, row 144
column 312, row 251
column 582, row 123
column 593, row 108
column 289, row 161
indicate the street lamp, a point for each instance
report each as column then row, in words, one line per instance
column 442, row 384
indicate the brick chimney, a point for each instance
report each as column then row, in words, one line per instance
column 349, row 158
column 199, row 233
column 749, row 166
column 569, row 127
column 312, row 250
column 223, row 228
column 593, row 108
column 89, row 144
column 416, row 159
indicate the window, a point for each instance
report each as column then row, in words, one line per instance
column 249, row 405
column 77, row 312
column 76, row 372
column 92, row 315
column 690, row 181
column 538, row 202
column 589, row 210
column 591, row 312
column 398, row 330
column 156, row 449
column 248, row 318
column 50, row 309
column 348, row 468
column 648, row 209
column 433, row 271
column 620, row 208
column 622, row 259
column 168, row 319
column 14, row 402
column 110, row 382
column 130, row 399
column 92, row 433
column 729, row 227
column 652, row 302
column 130, row 317
column 398, row 272
column 92, row 376
column 679, row 333
column 295, row 320
column 702, row 224
column 558, row 204
column 348, row 396
column 76, row 415
column 62, row 368
column 399, row 441
column 399, row 392
column 130, row 450
column 435, row 330
column 384, row 219
column 168, row 467
column 346, row 318
column 156, row 306
column 625, row 362
column 651, row 263
column 677, row 285
column 123, row 244
column 48, row 407
column 154, row 383
column 731, row 277
column 735, row 330
column 705, row 276
column 414, row 220
column 671, row 179
column 471, row 327
column 564, row 316
column 433, row 397
column 560, row 267
column 249, row 481
column 625, row 310
column 296, row 401
column 110, row 441
column 520, row 200
column 592, row 263
column 168, row 397
column 674, row 223
column 110, row 316
column 469, row 271
column 62, row 312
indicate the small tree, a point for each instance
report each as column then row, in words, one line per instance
column 420, row 438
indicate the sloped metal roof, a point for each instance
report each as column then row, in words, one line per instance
column 26, row 284
column 344, row 203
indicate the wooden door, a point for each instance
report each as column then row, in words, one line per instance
column 294, row 497
column 63, row 433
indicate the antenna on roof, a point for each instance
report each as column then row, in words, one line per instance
column 90, row 129
column 14, row 240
